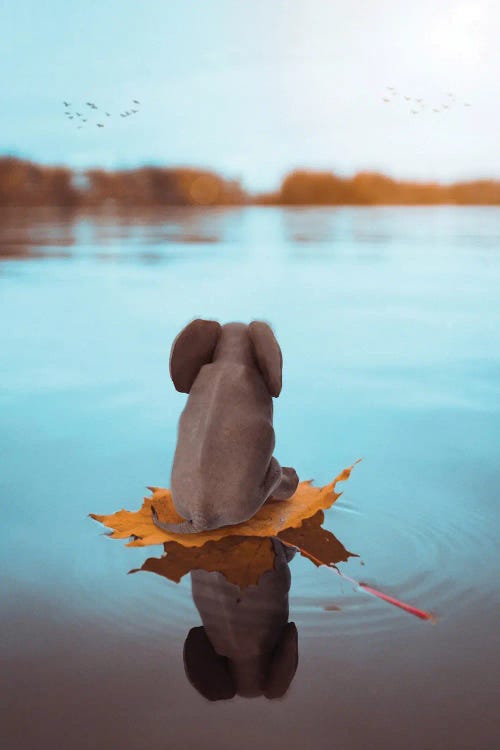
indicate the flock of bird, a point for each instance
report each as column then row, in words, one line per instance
column 418, row 105
column 85, row 115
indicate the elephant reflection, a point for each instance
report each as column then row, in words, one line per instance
column 246, row 645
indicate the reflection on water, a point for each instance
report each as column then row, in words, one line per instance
column 240, row 587
column 246, row 645
column 389, row 322
column 41, row 232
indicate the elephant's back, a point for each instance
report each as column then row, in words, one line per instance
column 225, row 386
column 226, row 427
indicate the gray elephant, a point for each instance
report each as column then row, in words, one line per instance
column 224, row 469
column 246, row 645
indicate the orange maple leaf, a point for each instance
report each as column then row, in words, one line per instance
column 272, row 518
column 243, row 559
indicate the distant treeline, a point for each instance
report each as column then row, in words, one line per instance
column 23, row 183
column 301, row 188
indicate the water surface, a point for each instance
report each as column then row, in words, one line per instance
column 389, row 322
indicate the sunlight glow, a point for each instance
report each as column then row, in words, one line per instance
column 459, row 34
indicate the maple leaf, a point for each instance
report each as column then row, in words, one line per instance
column 316, row 543
column 243, row 552
column 272, row 518
column 242, row 560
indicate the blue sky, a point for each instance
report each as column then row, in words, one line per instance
column 254, row 88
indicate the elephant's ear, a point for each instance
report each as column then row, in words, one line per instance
column 193, row 347
column 205, row 669
column 267, row 354
column 283, row 663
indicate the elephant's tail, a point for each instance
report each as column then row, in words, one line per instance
column 184, row 527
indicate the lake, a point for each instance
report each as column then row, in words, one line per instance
column 389, row 323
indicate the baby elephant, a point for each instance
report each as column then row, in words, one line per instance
column 224, row 469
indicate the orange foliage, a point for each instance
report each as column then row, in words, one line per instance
column 23, row 183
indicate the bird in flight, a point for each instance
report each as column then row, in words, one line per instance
column 100, row 125
column 107, row 114
column 136, row 101
column 67, row 104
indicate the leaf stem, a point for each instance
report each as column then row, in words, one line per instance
column 420, row 613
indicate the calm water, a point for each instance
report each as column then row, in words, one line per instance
column 389, row 322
